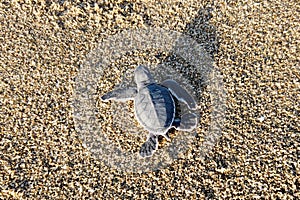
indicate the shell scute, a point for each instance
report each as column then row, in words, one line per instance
column 155, row 108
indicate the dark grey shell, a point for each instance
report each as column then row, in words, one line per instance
column 155, row 108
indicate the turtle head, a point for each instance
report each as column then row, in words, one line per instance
column 143, row 77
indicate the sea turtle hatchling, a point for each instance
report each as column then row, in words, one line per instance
column 155, row 107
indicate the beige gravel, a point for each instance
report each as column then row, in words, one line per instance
column 255, row 46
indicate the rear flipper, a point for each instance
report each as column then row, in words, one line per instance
column 120, row 94
column 187, row 122
column 150, row 146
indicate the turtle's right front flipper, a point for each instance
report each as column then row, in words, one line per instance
column 149, row 146
column 180, row 93
column 120, row 94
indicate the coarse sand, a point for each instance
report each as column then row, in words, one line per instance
column 253, row 44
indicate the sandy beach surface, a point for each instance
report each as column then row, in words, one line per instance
column 254, row 45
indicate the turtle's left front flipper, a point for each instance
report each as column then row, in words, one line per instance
column 120, row 94
column 149, row 146
column 180, row 93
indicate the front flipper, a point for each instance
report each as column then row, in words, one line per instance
column 149, row 146
column 120, row 94
column 187, row 122
column 180, row 93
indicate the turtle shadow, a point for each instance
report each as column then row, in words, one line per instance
column 205, row 34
